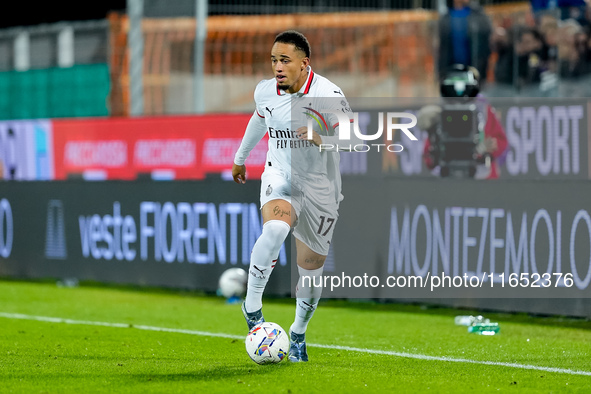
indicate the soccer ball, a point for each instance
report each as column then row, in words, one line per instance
column 232, row 282
column 267, row 343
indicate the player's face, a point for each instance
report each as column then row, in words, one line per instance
column 289, row 66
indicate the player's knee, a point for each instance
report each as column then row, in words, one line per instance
column 276, row 231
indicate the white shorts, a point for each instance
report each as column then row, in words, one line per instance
column 314, row 204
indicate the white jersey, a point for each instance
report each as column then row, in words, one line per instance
column 280, row 114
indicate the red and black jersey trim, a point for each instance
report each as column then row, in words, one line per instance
column 310, row 78
column 257, row 111
column 278, row 90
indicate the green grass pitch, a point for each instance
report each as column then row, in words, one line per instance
column 56, row 357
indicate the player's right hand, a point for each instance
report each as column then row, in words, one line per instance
column 239, row 173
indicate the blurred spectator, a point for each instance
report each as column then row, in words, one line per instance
column 540, row 6
column 537, row 55
column 548, row 28
column 573, row 9
column 567, row 9
column 502, row 44
column 464, row 33
column 529, row 57
column 572, row 60
column 583, row 65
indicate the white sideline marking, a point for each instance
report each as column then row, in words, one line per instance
column 332, row 347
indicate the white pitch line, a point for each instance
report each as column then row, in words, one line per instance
column 331, row 347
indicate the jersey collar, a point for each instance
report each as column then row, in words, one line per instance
column 305, row 89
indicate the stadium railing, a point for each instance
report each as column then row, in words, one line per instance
column 368, row 54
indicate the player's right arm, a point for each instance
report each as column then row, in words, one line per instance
column 255, row 131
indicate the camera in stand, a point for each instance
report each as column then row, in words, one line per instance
column 456, row 127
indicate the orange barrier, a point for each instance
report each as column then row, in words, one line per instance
column 400, row 44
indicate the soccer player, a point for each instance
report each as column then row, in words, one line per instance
column 301, row 184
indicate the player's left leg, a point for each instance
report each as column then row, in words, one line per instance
column 308, row 293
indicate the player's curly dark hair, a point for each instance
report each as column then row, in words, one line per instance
column 299, row 41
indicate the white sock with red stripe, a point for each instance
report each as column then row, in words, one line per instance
column 308, row 294
column 262, row 261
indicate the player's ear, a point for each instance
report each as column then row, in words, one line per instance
column 305, row 63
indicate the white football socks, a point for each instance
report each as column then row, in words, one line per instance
column 262, row 261
column 308, row 294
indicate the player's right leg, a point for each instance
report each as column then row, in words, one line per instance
column 308, row 292
column 277, row 220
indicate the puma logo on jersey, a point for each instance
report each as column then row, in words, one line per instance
column 270, row 110
column 338, row 92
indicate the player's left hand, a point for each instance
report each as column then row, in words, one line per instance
column 302, row 134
